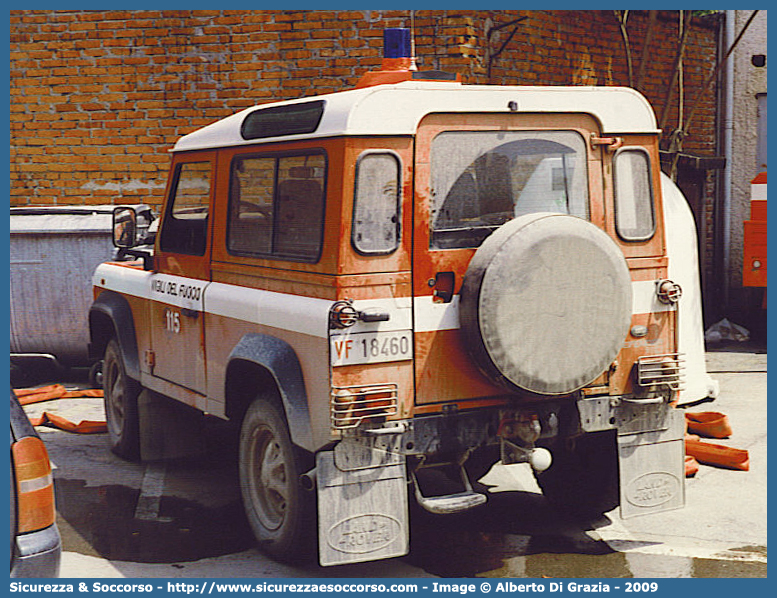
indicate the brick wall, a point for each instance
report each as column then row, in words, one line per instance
column 98, row 97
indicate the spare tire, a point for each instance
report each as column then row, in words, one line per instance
column 546, row 303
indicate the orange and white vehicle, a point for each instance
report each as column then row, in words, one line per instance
column 412, row 278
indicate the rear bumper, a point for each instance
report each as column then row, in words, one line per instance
column 37, row 554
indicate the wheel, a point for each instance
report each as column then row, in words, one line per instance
column 280, row 512
column 546, row 303
column 121, row 404
column 582, row 480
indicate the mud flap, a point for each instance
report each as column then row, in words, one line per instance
column 169, row 429
column 651, row 456
column 362, row 504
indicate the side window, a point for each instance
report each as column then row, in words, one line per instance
column 634, row 214
column 251, row 205
column 276, row 206
column 186, row 226
column 377, row 201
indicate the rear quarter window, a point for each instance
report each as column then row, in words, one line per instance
column 634, row 210
column 377, row 201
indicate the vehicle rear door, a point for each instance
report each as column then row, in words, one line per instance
column 474, row 173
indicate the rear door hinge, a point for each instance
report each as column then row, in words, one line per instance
column 612, row 144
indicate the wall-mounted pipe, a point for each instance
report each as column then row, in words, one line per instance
column 728, row 147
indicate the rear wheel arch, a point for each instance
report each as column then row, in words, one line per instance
column 245, row 380
column 265, row 366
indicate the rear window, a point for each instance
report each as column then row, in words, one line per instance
column 482, row 179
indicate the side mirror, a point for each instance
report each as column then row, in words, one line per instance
column 124, row 227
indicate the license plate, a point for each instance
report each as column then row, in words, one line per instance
column 371, row 347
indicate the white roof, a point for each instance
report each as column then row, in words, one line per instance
column 397, row 109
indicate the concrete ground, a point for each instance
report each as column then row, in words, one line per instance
column 726, row 509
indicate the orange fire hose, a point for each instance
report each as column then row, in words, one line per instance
column 28, row 396
column 53, row 420
column 711, row 424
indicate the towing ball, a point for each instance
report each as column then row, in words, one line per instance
column 540, row 459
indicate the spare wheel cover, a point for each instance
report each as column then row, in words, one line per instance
column 546, row 303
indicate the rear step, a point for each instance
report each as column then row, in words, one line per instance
column 447, row 504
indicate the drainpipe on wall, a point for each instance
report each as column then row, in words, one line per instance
column 728, row 145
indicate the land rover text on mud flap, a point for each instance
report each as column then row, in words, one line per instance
column 410, row 280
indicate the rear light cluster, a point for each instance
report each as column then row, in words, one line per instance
column 668, row 292
column 351, row 405
column 35, row 485
column 661, row 370
column 343, row 315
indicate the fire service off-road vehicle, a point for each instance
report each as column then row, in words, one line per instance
column 409, row 280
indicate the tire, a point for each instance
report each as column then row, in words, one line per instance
column 582, row 480
column 280, row 512
column 546, row 304
column 121, row 404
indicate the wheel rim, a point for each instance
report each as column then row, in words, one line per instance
column 114, row 389
column 269, row 482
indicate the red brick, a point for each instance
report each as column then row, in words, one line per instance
column 128, row 82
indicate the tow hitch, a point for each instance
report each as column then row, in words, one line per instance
column 517, row 437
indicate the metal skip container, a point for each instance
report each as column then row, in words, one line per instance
column 53, row 253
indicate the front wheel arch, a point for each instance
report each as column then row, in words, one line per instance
column 110, row 317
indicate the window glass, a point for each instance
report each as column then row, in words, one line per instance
column 634, row 218
column 482, row 179
column 252, row 192
column 762, row 130
column 277, row 206
column 376, row 204
column 293, row 119
column 185, row 231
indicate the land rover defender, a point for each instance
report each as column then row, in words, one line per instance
column 411, row 279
